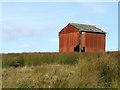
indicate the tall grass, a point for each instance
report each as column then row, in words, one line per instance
column 89, row 70
column 39, row 59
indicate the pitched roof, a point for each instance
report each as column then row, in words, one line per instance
column 87, row 28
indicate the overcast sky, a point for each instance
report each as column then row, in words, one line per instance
column 34, row 27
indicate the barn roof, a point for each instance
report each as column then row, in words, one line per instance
column 87, row 28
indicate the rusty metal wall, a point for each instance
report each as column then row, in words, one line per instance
column 83, row 39
column 68, row 39
column 93, row 42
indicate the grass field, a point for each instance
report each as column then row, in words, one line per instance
column 61, row 70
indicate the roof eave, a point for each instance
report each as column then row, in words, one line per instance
column 94, row 32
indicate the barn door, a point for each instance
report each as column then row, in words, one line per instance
column 83, row 49
column 77, row 48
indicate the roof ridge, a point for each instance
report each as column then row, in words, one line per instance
column 87, row 27
column 83, row 24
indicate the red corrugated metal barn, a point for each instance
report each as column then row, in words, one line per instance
column 81, row 38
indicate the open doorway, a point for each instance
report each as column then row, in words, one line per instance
column 76, row 48
column 83, row 49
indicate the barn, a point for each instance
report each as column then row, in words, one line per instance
column 76, row 37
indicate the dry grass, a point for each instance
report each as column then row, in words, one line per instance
column 91, row 71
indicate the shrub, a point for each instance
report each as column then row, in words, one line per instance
column 17, row 60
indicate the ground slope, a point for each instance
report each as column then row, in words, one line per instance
column 51, row 70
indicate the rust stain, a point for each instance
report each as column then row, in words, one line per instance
column 70, row 37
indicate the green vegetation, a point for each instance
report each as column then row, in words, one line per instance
column 62, row 70
column 34, row 59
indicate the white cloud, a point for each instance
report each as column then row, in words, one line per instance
column 13, row 31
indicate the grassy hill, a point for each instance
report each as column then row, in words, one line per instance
column 62, row 70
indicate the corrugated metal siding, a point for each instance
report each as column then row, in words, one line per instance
column 68, row 29
column 94, row 42
column 83, row 39
column 68, row 39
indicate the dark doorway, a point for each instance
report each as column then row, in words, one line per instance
column 83, row 49
column 77, row 48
